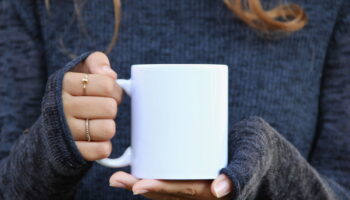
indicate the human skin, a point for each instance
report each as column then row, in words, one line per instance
column 99, row 104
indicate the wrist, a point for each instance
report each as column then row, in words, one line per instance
column 64, row 153
column 251, row 155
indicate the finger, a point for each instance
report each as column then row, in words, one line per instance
column 125, row 180
column 99, row 129
column 98, row 85
column 221, row 186
column 122, row 180
column 92, row 151
column 87, row 107
column 186, row 189
column 98, row 63
column 159, row 196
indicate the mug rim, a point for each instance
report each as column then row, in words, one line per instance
column 178, row 65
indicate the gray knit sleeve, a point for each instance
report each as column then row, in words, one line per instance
column 44, row 162
column 264, row 165
column 41, row 162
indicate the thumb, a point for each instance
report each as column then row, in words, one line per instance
column 98, row 63
column 221, row 186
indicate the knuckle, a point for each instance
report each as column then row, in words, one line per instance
column 105, row 150
column 110, row 107
column 108, row 86
column 119, row 95
column 109, row 129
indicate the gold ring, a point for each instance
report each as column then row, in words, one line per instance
column 87, row 130
column 85, row 81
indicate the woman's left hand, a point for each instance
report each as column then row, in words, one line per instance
column 174, row 190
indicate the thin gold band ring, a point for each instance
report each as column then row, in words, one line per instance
column 87, row 130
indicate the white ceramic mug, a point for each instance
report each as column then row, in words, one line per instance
column 179, row 121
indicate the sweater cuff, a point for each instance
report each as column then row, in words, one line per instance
column 251, row 156
column 65, row 155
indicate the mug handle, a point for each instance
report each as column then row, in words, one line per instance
column 125, row 159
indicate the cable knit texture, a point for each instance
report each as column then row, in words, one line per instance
column 298, row 84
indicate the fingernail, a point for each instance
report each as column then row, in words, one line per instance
column 107, row 69
column 140, row 192
column 117, row 184
column 221, row 188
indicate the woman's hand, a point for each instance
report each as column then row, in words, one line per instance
column 174, row 190
column 98, row 104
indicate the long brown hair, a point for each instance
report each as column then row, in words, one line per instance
column 286, row 18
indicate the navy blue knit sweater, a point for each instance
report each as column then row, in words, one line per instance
column 298, row 85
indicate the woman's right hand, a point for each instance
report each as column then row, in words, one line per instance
column 98, row 104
